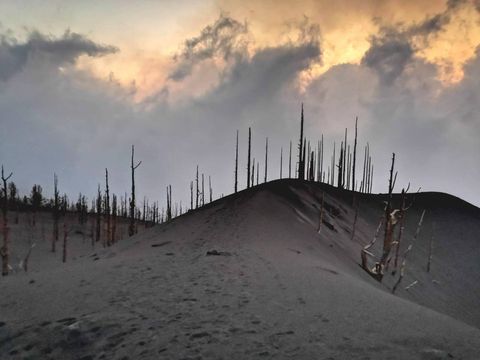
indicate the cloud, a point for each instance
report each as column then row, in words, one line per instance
column 225, row 38
column 394, row 47
column 65, row 49
column 75, row 124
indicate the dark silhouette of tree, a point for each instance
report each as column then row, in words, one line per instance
column 107, row 210
column 236, row 165
column 249, row 155
column 56, row 212
column 5, row 251
column 266, row 160
column 290, row 161
column 301, row 151
column 14, row 199
column 36, row 200
column 114, row 219
column 281, row 161
column 98, row 224
column 133, row 167
column 354, row 155
column 198, row 190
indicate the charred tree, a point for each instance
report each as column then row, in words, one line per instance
column 249, row 155
column 210, row 188
column 340, row 168
column 132, row 228
column 236, row 165
column 56, row 212
column 5, row 251
column 107, row 210
column 266, row 160
column 281, row 161
column 98, row 213
column 354, row 155
column 191, row 195
column 290, row 162
column 114, row 219
column 198, row 190
column 301, row 150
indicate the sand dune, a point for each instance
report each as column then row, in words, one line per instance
column 249, row 277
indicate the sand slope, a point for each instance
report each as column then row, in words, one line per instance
column 275, row 290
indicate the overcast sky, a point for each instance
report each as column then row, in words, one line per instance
column 82, row 81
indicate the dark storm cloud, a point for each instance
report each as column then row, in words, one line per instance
column 394, row 47
column 223, row 38
column 65, row 49
column 78, row 125
column 388, row 54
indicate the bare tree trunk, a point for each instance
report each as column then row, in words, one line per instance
column 301, row 152
column 198, row 190
column 98, row 225
column 404, row 261
column 266, row 160
column 114, row 219
column 107, row 209
column 354, row 154
column 249, row 155
column 281, row 161
column 210, row 188
column 56, row 214
column 236, row 165
column 191, row 195
column 5, row 251
column 290, row 162
column 132, row 228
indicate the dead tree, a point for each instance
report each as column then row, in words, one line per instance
column 198, row 191
column 252, row 180
column 114, row 219
column 249, row 155
column 191, row 195
column 409, row 248
column 107, row 209
column 281, row 161
column 203, row 190
column 290, row 162
column 344, row 158
column 5, row 251
column 340, row 168
column 301, row 152
column 391, row 219
column 133, row 167
column 365, row 251
column 169, row 202
column 403, row 209
column 56, row 212
column 266, row 160
column 36, row 200
column 311, row 171
column 236, row 165
column 354, row 154
column 210, row 187
column 98, row 224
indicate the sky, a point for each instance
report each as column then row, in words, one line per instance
column 81, row 81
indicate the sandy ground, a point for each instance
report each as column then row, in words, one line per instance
column 273, row 287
